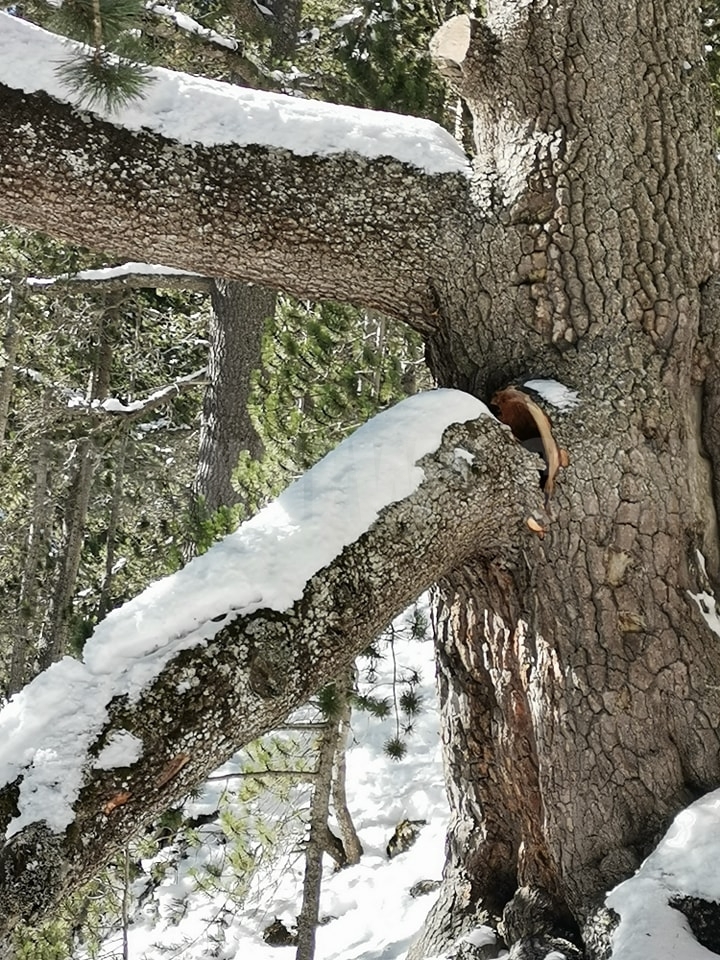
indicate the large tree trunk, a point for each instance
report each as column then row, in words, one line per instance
column 580, row 688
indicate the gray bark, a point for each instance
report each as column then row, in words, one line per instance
column 76, row 507
column 332, row 227
column 237, row 324
column 350, row 840
column 36, row 546
column 588, row 679
column 10, row 344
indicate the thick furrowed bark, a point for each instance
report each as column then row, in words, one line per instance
column 341, row 227
column 587, row 680
column 259, row 667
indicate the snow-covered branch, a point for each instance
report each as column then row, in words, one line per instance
column 125, row 276
column 137, row 409
column 166, row 22
column 206, row 660
column 320, row 200
column 73, row 401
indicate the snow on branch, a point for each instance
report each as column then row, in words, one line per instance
column 321, row 200
column 136, row 409
column 219, row 653
column 124, row 276
column 74, row 402
column 167, row 22
column 184, row 22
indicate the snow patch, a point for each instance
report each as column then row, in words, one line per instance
column 122, row 750
column 197, row 110
column 554, row 393
column 46, row 729
column 110, row 273
column 684, row 864
column 480, row 937
column 708, row 608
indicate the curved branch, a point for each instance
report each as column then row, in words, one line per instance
column 321, row 201
column 238, row 673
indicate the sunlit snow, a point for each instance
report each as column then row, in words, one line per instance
column 266, row 563
column 112, row 273
column 122, row 750
column 684, row 864
column 554, row 393
column 197, row 110
column 374, row 916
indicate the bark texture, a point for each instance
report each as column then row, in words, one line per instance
column 237, row 324
column 580, row 692
column 260, row 666
column 251, row 213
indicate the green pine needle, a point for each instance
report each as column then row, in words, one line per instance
column 395, row 748
column 410, row 703
column 99, row 79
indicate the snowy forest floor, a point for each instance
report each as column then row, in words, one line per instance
column 373, row 916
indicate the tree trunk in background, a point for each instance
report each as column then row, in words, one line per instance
column 36, row 547
column 113, row 523
column 237, row 324
column 285, row 27
column 350, row 840
column 580, row 688
column 10, row 344
column 78, row 500
column 319, row 811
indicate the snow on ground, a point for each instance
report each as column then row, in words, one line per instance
column 47, row 727
column 194, row 109
column 375, row 918
column 684, row 864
